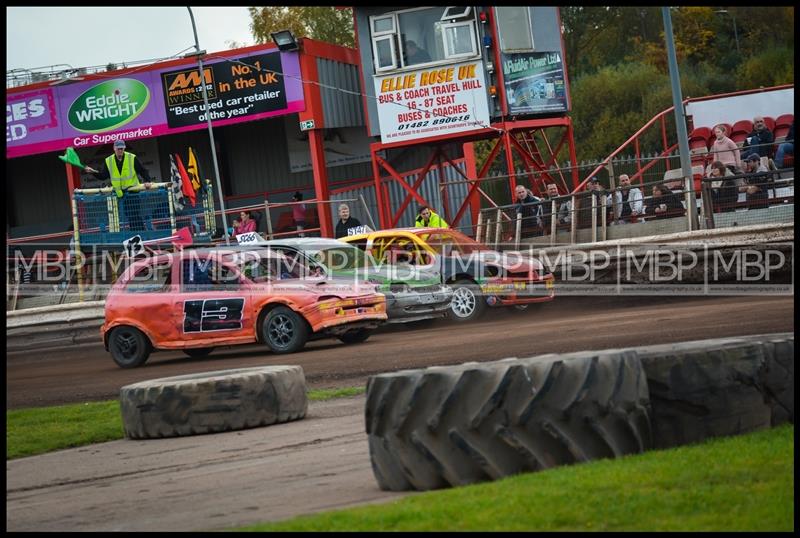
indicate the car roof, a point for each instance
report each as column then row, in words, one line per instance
column 305, row 242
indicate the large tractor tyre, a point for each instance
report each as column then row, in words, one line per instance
column 129, row 347
column 199, row 351
column 357, row 336
column 708, row 388
column 284, row 330
column 213, row 401
column 451, row 426
column 468, row 303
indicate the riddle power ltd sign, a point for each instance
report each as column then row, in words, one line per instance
column 432, row 102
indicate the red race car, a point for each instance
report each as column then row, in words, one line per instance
column 195, row 300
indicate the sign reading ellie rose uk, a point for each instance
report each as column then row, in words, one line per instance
column 152, row 103
column 432, row 102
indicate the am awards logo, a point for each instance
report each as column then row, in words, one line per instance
column 184, row 87
column 108, row 105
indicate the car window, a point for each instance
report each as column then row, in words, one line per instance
column 155, row 277
column 271, row 264
column 204, row 274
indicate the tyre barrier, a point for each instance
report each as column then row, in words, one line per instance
column 212, row 402
column 451, row 426
column 455, row 425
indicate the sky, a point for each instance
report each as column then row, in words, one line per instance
column 92, row 36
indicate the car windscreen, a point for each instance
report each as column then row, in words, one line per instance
column 261, row 265
column 340, row 257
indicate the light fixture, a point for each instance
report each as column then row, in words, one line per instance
column 285, row 40
column 487, row 41
column 490, row 67
column 493, row 91
column 483, row 17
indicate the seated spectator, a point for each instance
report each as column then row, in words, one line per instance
column 754, row 185
column 416, row 55
column 786, row 148
column 530, row 208
column 725, row 150
column 759, row 140
column 724, row 192
column 664, row 203
column 246, row 224
column 562, row 209
column 627, row 201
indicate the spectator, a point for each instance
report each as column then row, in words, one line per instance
column 593, row 189
column 664, row 203
column 786, row 148
column 530, row 209
column 246, row 224
column 725, row 150
column 415, row 55
column 627, row 201
column 562, row 210
column 759, row 140
column 724, row 192
column 124, row 170
column 345, row 221
column 428, row 218
column 754, row 185
column 234, row 225
column 299, row 213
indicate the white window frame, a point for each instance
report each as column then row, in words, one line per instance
column 376, row 57
column 375, row 18
column 465, row 11
column 451, row 55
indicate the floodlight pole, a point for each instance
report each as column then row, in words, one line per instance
column 680, row 120
column 199, row 54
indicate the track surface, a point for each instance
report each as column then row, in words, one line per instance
column 318, row 463
column 87, row 373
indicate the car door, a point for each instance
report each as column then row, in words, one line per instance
column 215, row 304
column 145, row 300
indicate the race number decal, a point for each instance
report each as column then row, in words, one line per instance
column 133, row 246
column 249, row 237
column 212, row 315
column 357, row 230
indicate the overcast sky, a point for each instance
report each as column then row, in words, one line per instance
column 91, row 36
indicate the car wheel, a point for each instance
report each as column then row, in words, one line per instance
column 284, row 330
column 199, row 352
column 355, row 337
column 129, row 347
column 468, row 303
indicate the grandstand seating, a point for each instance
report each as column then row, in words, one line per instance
column 740, row 130
column 770, row 123
column 782, row 125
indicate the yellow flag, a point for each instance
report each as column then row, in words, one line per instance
column 193, row 170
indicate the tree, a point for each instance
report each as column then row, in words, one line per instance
column 329, row 24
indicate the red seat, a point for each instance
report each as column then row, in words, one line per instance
column 698, row 140
column 784, row 120
column 740, row 130
column 770, row 123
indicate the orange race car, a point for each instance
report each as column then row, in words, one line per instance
column 195, row 300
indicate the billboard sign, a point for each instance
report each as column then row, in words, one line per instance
column 534, row 83
column 152, row 103
column 432, row 102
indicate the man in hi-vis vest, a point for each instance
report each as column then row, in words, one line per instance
column 123, row 168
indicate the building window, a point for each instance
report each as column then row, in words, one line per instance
column 515, row 29
column 422, row 37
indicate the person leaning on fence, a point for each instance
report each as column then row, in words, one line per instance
column 754, row 184
column 562, row 209
column 428, row 218
column 724, row 191
column 628, row 201
column 345, row 221
column 246, row 224
column 124, row 170
column 529, row 208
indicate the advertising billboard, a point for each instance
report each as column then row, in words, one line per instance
column 152, row 103
column 432, row 102
column 534, row 83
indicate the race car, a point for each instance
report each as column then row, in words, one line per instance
column 195, row 300
column 480, row 277
column 412, row 293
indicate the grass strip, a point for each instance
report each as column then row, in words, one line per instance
column 44, row 429
column 741, row 483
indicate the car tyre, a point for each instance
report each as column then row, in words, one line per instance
column 468, row 303
column 129, row 346
column 199, row 351
column 284, row 330
column 357, row 336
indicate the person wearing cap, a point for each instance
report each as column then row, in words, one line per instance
column 124, row 170
column 753, row 185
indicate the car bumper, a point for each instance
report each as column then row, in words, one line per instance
column 403, row 307
column 343, row 315
column 519, row 292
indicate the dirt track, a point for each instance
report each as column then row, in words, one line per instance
column 87, row 373
column 320, row 462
